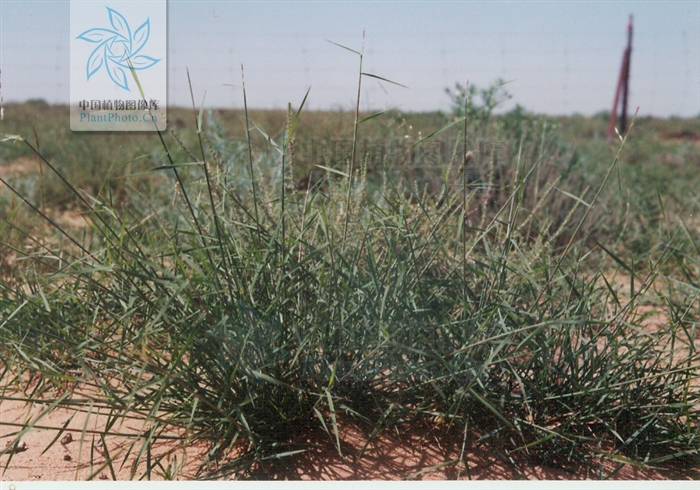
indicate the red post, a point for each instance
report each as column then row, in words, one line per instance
column 628, row 58
column 622, row 86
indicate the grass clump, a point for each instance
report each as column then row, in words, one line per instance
column 227, row 305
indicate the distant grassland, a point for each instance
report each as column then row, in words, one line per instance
column 661, row 160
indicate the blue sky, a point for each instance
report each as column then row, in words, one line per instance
column 561, row 57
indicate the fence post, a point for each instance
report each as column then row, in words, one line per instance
column 622, row 87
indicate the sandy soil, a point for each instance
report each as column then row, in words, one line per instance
column 20, row 166
column 391, row 456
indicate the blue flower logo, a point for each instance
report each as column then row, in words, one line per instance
column 118, row 49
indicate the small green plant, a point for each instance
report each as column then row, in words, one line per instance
column 463, row 96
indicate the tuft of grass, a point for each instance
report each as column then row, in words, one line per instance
column 226, row 305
